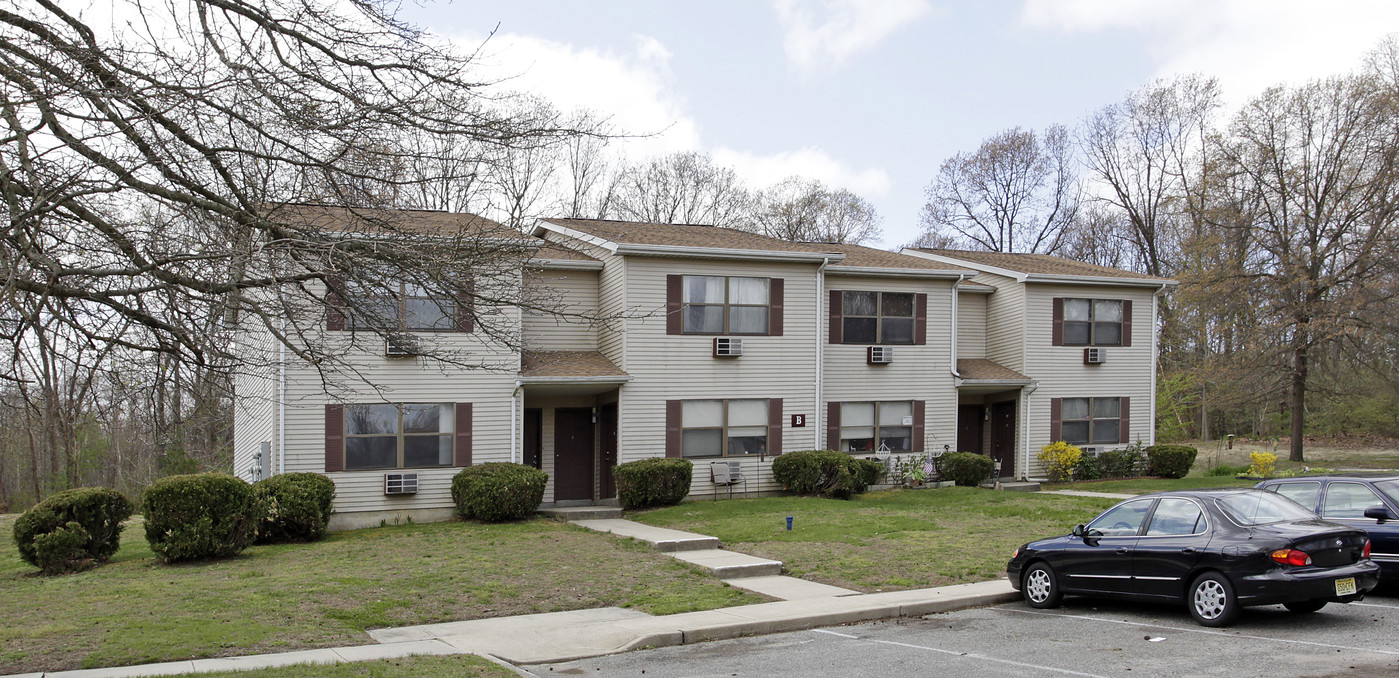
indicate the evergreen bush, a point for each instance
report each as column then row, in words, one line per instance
column 499, row 491
column 1127, row 462
column 293, row 507
column 197, row 516
column 1088, row 468
column 968, row 469
column 653, row 482
column 72, row 529
column 820, row 473
column 1169, row 461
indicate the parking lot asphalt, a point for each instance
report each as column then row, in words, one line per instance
column 1085, row 637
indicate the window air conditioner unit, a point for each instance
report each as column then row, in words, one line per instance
column 1094, row 356
column 400, row 483
column 880, row 355
column 401, row 346
column 1091, row 451
column 727, row 347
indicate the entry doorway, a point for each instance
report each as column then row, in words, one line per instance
column 607, row 417
column 534, row 437
column 971, row 428
column 573, row 453
column 1003, row 436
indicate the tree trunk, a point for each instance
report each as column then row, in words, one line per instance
column 1298, row 400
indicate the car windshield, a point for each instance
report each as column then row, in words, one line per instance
column 1261, row 508
column 1390, row 488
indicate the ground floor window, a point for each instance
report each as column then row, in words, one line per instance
column 1091, row 421
column 713, row 428
column 398, row 435
column 873, row 426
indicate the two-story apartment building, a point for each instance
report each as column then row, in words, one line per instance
column 715, row 344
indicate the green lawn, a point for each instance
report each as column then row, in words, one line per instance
column 881, row 541
column 1148, row 485
column 136, row 610
column 449, row 666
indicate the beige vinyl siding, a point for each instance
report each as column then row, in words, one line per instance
column 255, row 398
column 682, row 367
column 1005, row 321
column 567, row 292
column 916, row 373
column 971, row 325
column 1060, row 370
column 613, row 304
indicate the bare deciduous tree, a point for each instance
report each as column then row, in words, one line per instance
column 682, row 188
column 806, row 210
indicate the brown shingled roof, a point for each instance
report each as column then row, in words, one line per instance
column 857, row 255
column 551, row 250
column 1040, row 263
column 980, row 368
column 377, row 220
column 568, row 364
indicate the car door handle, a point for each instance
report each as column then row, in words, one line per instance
column 1123, row 549
column 1188, row 549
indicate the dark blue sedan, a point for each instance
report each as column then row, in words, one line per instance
column 1217, row 551
column 1369, row 502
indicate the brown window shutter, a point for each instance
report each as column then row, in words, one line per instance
column 334, row 438
column 462, row 448
column 334, row 303
column 775, row 293
column 672, row 427
column 1056, row 419
column 672, row 304
column 920, row 320
column 1127, row 322
column 774, row 426
column 833, row 426
column 466, row 307
column 1124, row 432
column 919, row 410
column 837, row 332
column 1057, row 333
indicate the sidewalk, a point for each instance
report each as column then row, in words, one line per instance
column 579, row 634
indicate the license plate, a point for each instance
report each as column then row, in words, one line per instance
column 1345, row 587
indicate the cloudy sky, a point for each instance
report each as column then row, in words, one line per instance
column 872, row 95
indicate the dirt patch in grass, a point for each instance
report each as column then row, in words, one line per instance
column 278, row 598
column 1335, row 452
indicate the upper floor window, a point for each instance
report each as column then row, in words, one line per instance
column 410, row 308
column 867, row 427
column 712, row 428
column 725, row 305
column 1091, row 421
column 877, row 317
column 404, row 435
column 1093, row 322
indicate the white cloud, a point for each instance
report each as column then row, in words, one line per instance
column 1248, row 44
column 761, row 171
column 819, row 34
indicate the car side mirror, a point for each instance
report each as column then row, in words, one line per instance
column 1379, row 513
column 1079, row 531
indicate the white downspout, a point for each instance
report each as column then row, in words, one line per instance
column 282, row 400
column 1026, row 392
column 956, row 286
column 515, row 422
column 1155, row 336
column 820, row 352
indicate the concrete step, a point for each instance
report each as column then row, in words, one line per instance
column 660, row 538
column 789, row 588
column 730, row 564
column 1020, row 487
column 572, row 513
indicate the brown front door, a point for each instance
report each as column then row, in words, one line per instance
column 970, row 428
column 534, row 436
column 1003, row 436
column 573, row 453
column 607, row 419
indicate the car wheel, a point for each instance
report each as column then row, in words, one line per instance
column 1040, row 588
column 1212, row 601
column 1305, row 606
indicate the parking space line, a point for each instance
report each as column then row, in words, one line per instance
column 1202, row 631
column 969, row 655
column 1392, row 607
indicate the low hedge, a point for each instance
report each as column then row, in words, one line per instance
column 73, row 529
column 821, row 473
column 968, row 469
column 1126, row 462
column 871, row 472
column 498, row 491
column 653, row 482
column 1088, row 468
column 293, row 507
column 1170, row 461
column 197, row 516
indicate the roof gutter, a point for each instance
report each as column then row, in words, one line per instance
column 941, row 274
column 525, row 381
column 680, row 251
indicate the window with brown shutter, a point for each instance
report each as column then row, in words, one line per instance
column 1090, row 322
column 397, row 435
column 334, row 438
column 1091, row 421
column 335, row 304
column 775, row 423
column 716, row 304
column 868, row 317
column 672, row 428
column 462, row 446
column 832, row 426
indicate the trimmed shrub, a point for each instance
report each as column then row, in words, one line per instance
column 820, row 473
column 967, row 469
column 498, row 491
column 293, row 507
column 197, row 516
column 1058, row 459
column 1169, row 461
column 653, row 482
column 1088, row 468
column 1124, row 463
column 870, row 472
column 72, row 529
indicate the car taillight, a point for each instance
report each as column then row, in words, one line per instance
column 1016, row 552
column 1366, row 553
column 1291, row 557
